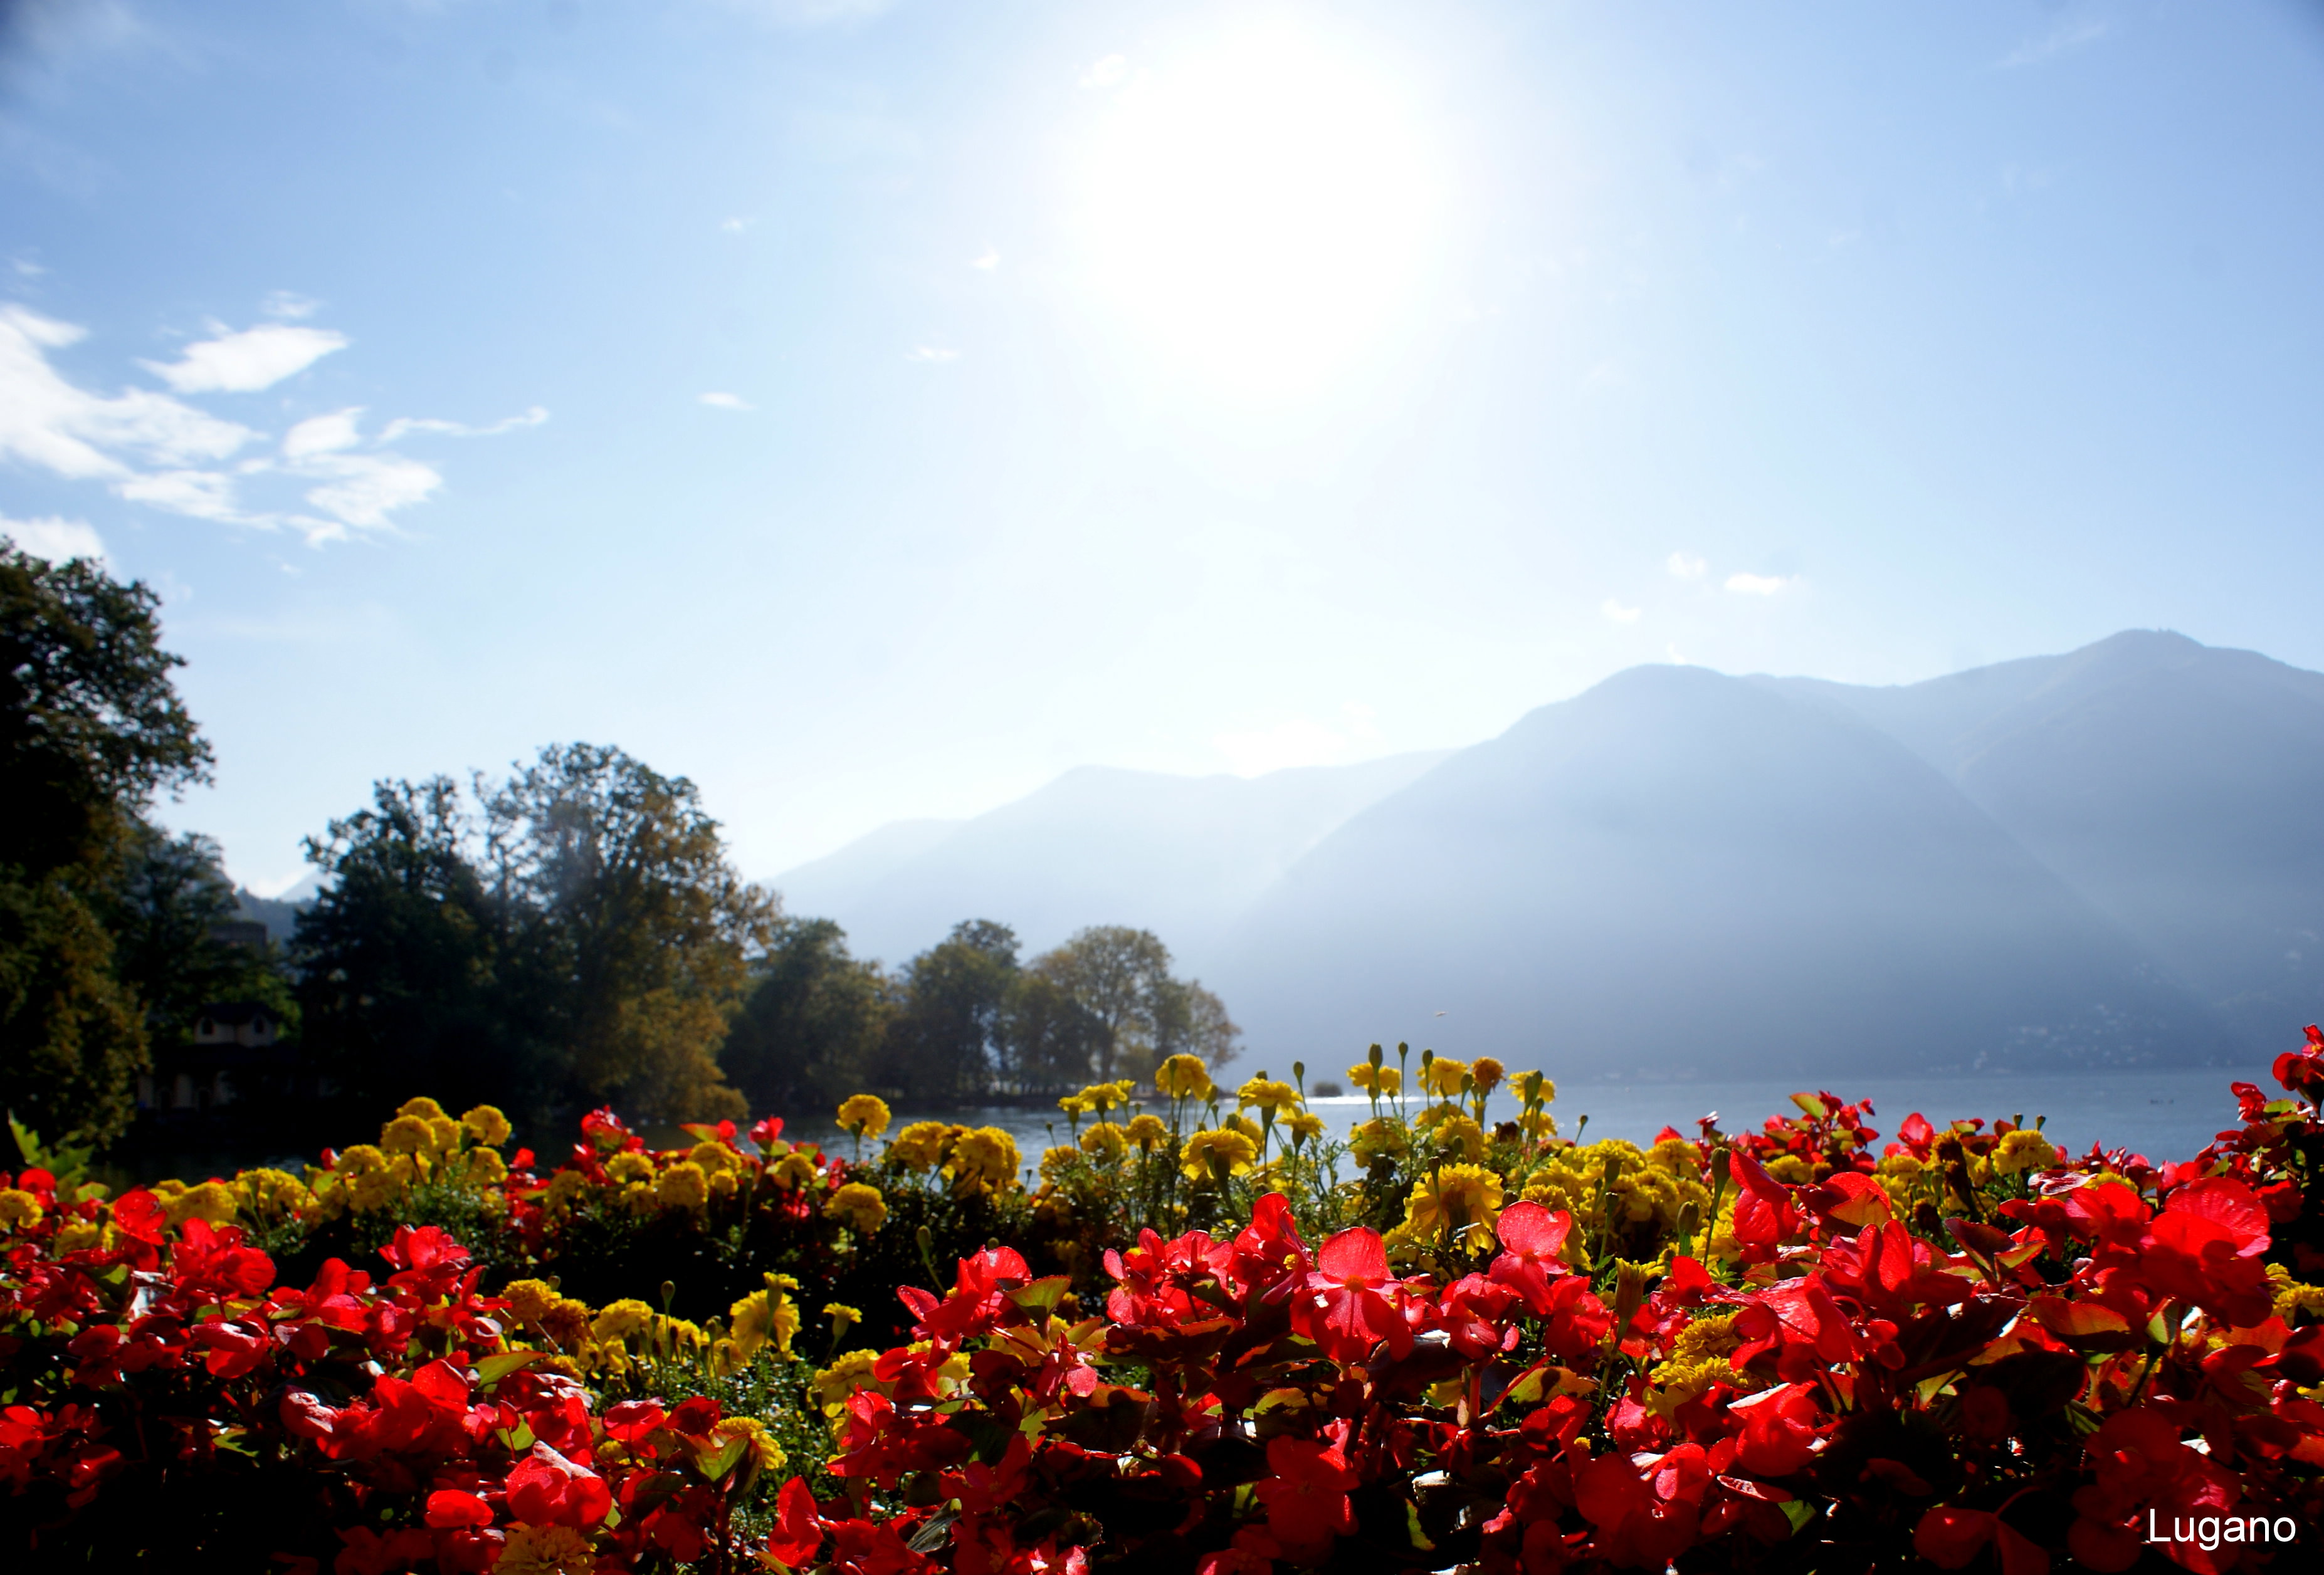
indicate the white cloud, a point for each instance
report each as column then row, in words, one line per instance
column 323, row 434
column 734, row 227
column 286, row 303
column 1685, row 566
column 245, row 362
column 726, row 401
column 53, row 538
column 932, row 353
column 1300, row 741
column 402, row 425
column 2062, row 39
column 988, row 261
column 205, row 494
column 362, row 490
column 47, row 422
column 1620, row 614
column 1759, row 584
column 1107, row 72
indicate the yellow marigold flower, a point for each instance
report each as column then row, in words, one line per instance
column 1305, row 1124
column 1791, row 1169
column 544, row 1549
column 1698, row 1359
column 849, row 1371
column 1102, row 1097
column 1487, row 1074
column 765, row 1453
column 1451, row 1200
column 1382, row 1082
column 566, row 1186
column 1059, row 1161
column 567, row 1322
column 1272, row 1095
column 1243, row 1124
column 843, row 1318
column 2024, row 1149
column 485, row 1124
column 424, row 1108
column 1460, row 1133
column 985, row 1160
column 1148, row 1131
column 1445, row 1077
column 1104, row 1141
column 213, row 1202
column 1381, row 1138
column 528, row 1300
column 1184, row 1077
column 859, row 1206
column 77, row 1235
column 864, row 1115
column 763, row 1318
column 1209, row 1156
column 267, row 1193
column 407, row 1135
column 484, row 1167
column 714, row 1157
column 1075, row 1104
column 444, row 1135
column 921, row 1146
column 629, row 1165
column 1538, row 1124
column 796, row 1169
column 620, row 1319
column 1900, row 1166
column 19, row 1209
column 683, row 1186
column 1676, row 1156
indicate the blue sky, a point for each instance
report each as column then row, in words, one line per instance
column 872, row 411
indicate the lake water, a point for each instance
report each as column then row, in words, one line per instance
column 2163, row 1115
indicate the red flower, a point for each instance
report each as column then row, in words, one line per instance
column 1531, row 1239
column 2204, row 1247
column 450, row 1509
column 1949, row 1537
column 798, row 1531
column 1306, row 1493
column 1349, row 1305
column 545, row 1488
column 1779, row 1429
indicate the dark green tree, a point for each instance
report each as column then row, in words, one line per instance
column 947, row 1037
column 815, row 1026
column 91, row 729
column 169, row 896
column 1127, row 1010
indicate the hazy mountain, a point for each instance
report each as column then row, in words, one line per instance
column 280, row 915
column 1682, row 872
column 1182, row 856
column 2179, row 787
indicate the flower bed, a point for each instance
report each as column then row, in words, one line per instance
column 1205, row 1340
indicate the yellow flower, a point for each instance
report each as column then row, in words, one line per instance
column 1075, row 1104
column 424, row 1108
column 1184, row 1077
column 443, row 1134
column 485, row 1124
column 77, row 1235
column 921, row 1146
column 19, row 1209
column 1453, row 1199
column 683, row 1186
column 567, row 1321
column 484, row 1167
column 1059, row 1161
column 629, row 1165
column 765, row 1453
column 847, row 1373
column 1698, row 1359
column 1900, row 1166
column 1488, row 1074
column 714, row 1158
column 1211, row 1155
column 1538, row 1124
column 843, row 1318
column 796, row 1169
column 2024, row 1149
column 1104, row 1141
column 544, row 1549
column 1148, row 1131
column 858, row 1206
column 1380, row 1081
column 1381, row 1138
column 1676, row 1156
column 564, row 1187
column 1102, row 1097
column 620, row 1319
column 1791, row 1169
column 1271, row 1095
column 1243, row 1124
column 528, row 1300
column 984, row 1159
column 1306, row 1123
column 1462, row 1133
column 407, row 1135
column 864, row 1115
column 763, row 1318
column 1445, row 1077
column 213, row 1202
column 267, row 1193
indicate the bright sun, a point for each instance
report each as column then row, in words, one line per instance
column 1256, row 211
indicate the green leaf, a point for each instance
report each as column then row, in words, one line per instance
column 500, row 1365
column 1042, row 1296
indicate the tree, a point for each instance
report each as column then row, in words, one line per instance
column 168, row 897
column 1052, row 1039
column 816, row 1025
column 947, row 1039
column 401, row 981
column 90, row 729
column 1126, row 1008
column 623, row 903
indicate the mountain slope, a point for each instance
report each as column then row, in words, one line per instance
column 2180, row 788
column 1682, row 871
column 1182, row 856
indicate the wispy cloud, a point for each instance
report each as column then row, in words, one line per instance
column 1760, row 584
column 1685, row 566
column 246, row 361
column 1618, row 613
column 2064, row 38
column 726, row 402
column 287, row 303
column 53, row 538
column 988, row 261
column 932, row 353
column 152, row 449
column 812, row 13
column 1108, row 71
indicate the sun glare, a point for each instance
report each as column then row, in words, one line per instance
column 1256, row 211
